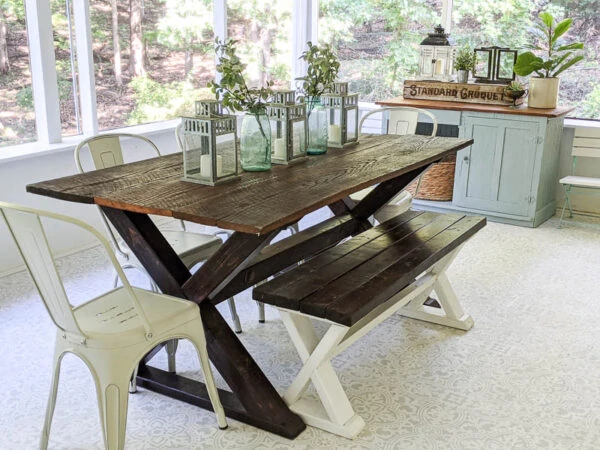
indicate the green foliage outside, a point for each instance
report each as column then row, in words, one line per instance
column 156, row 101
column 590, row 107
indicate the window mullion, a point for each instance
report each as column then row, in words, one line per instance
column 305, row 19
column 219, row 26
column 43, row 71
column 85, row 66
column 447, row 15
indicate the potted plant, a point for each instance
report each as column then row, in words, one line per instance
column 322, row 70
column 515, row 90
column 232, row 90
column 463, row 63
column 556, row 57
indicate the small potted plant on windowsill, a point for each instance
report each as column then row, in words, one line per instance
column 463, row 63
column 556, row 58
column 255, row 138
column 322, row 70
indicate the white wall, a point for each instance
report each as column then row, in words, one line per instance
column 16, row 174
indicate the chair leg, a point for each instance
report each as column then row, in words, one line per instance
column 171, row 349
column 566, row 202
column 133, row 381
column 211, row 387
column 112, row 403
column 237, row 326
column 51, row 402
column 261, row 312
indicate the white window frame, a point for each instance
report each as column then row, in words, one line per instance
column 305, row 21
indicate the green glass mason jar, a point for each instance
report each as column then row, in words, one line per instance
column 316, row 125
column 255, row 142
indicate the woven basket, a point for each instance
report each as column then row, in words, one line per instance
column 437, row 181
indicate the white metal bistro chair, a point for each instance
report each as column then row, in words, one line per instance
column 586, row 144
column 105, row 151
column 111, row 333
column 398, row 120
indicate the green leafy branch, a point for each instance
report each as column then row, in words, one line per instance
column 232, row 89
column 323, row 67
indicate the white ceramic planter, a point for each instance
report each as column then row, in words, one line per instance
column 543, row 92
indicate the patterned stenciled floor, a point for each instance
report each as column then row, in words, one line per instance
column 525, row 377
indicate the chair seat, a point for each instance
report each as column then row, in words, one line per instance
column 581, row 181
column 192, row 247
column 111, row 320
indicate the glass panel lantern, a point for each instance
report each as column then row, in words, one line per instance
column 436, row 58
column 342, row 111
column 209, row 144
column 288, row 128
column 494, row 65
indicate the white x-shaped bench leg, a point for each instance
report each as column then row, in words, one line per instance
column 333, row 412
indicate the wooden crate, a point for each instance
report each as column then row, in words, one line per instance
column 490, row 94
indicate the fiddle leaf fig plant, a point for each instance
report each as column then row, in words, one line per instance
column 557, row 56
column 232, row 89
column 323, row 67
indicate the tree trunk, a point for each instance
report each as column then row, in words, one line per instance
column 189, row 62
column 4, row 62
column 136, row 55
column 116, row 43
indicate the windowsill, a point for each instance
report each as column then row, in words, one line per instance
column 36, row 149
column 581, row 123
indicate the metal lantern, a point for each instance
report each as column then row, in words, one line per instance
column 494, row 65
column 436, row 59
column 209, row 144
column 342, row 110
column 288, row 128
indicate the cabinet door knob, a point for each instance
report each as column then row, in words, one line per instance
column 466, row 159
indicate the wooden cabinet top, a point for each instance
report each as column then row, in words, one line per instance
column 457, row 106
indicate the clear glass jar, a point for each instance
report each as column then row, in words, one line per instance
column 255, row 142
column 316, row 125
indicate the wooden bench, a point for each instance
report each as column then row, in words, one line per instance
column 356, row 285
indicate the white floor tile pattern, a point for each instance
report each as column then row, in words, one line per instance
column 525, row 377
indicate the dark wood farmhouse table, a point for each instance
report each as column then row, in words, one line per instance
column 256, row 208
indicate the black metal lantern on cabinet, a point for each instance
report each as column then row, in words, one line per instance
column 494, row 65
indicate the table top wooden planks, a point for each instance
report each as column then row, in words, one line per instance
column 259, row 202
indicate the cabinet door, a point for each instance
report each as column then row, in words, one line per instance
column 495, row 174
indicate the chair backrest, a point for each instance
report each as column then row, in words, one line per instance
column 399, row 119
column 106, row 151
column 27, row 230
column 586, row 144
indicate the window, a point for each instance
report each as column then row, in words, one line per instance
column 377, row 41
column 17, row 116
column 120, row 78
column 477, row 23
column 263, row 29
column 160, row 75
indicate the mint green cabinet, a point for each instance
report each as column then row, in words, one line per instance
column 510, row 172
